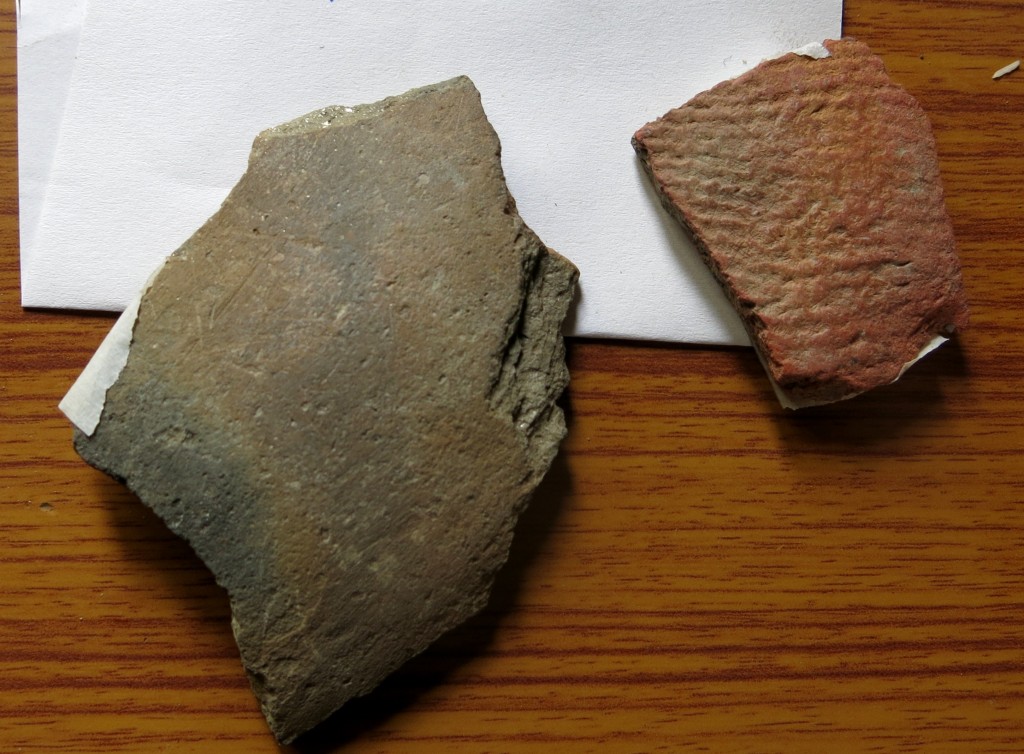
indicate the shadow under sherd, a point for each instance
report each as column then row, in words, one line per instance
column 169, row 561
column 923, row 395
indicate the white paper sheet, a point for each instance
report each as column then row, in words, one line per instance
column 167, row 97
column 47, row 42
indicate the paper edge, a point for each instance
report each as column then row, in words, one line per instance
column 931, row 345
column 788, row 403
column 84, row 402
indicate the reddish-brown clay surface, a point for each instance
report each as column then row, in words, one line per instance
column 812, row 188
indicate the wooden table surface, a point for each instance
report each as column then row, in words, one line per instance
column 701, row 571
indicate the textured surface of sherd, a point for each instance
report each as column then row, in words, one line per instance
column 341, row 391
column 812, row 189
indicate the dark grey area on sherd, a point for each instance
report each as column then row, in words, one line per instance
column 341, row 391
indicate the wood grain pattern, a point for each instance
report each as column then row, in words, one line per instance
column 701, row 571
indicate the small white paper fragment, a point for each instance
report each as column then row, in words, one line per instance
column 83, row 403
column 787, row 402
column 814, row 50
column 930, row 346
column 1006, row 69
